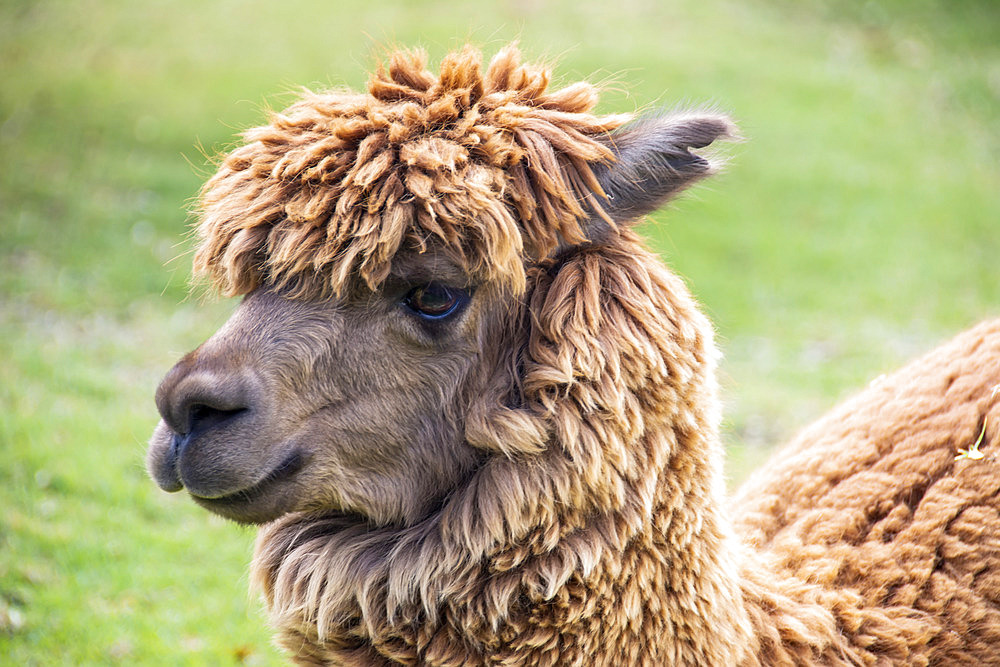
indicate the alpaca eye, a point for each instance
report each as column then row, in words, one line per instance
column 435, row 302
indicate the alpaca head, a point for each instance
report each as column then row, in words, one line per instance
column 389, row 247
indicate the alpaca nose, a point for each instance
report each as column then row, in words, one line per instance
column 194, row 398
column 211, row 406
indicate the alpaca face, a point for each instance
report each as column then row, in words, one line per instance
column 380, row 400
column 355, row 404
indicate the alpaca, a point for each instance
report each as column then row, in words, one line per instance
column 477, row 419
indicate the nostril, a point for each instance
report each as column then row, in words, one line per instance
column 202, row 417
column 199, row 393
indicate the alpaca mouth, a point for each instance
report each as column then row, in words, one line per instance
column 260, row 502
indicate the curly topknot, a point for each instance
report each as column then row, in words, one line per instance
column 491, row 167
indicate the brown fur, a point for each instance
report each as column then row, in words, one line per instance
column 538, row 482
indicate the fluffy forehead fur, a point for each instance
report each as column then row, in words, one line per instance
column 492, row 167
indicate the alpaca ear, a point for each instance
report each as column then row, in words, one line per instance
column 654, row 162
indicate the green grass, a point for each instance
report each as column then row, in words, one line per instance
column 856, row 226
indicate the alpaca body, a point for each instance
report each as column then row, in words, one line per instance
column 477, row 419
column 875, row 502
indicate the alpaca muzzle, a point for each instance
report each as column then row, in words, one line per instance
column 212, row 443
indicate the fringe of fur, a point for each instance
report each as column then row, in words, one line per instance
column 488, row 166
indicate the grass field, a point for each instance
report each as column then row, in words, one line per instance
column 856, row 226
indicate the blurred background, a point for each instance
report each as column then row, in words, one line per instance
column 856, row 227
